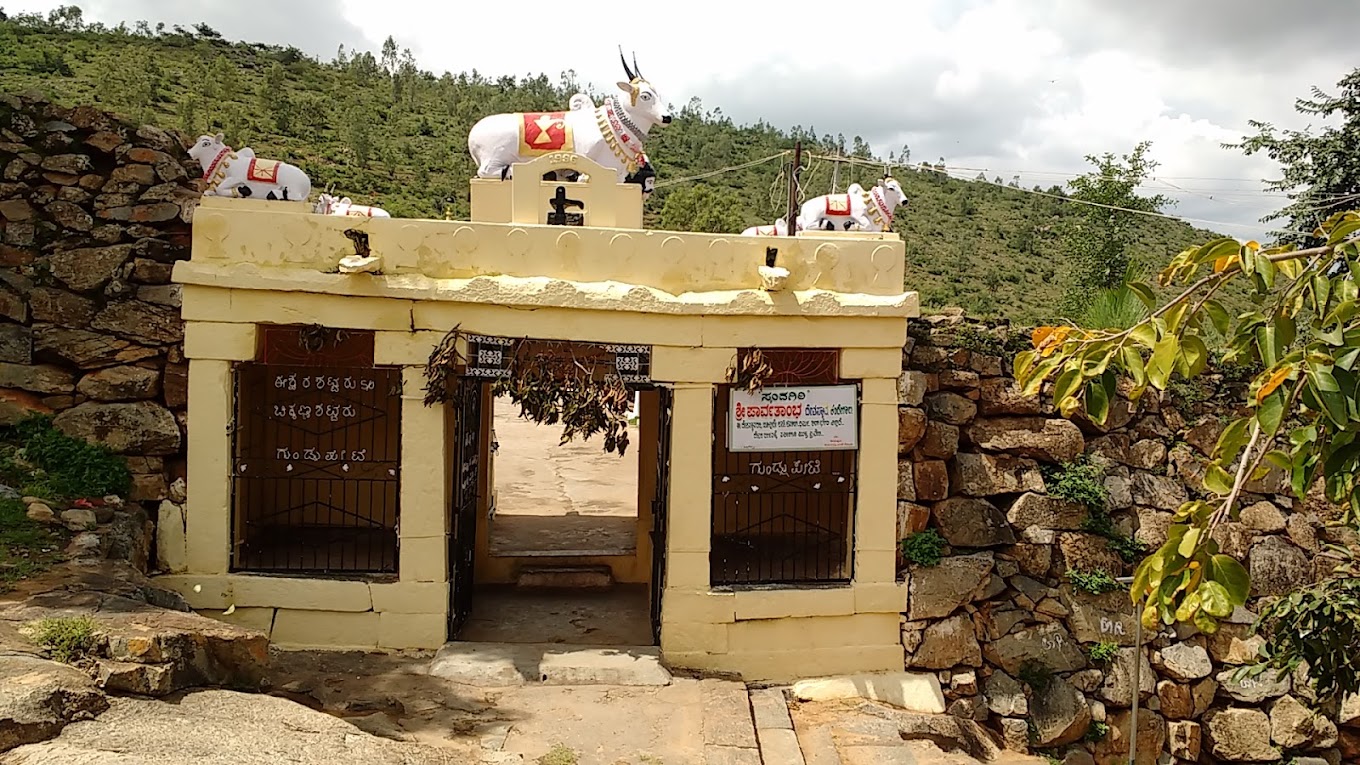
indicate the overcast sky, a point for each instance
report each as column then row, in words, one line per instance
column 1009, row 86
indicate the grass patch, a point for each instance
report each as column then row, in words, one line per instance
column 1103, row 653
column 924, row 548
column 27, row 547
column 1078, row 481
column 1096, row 732
column 560, row 754
column 67, row 638
column 39, row 460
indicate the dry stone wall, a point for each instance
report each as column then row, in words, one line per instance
column 94, row 212
column 1050, row 665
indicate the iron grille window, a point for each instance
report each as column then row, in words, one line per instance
column 780, row 517
column 316, row 468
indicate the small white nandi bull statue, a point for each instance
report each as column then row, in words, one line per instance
column 241, row 174
column 611, row 134
column 327, row 204
column 870, row 210
column 780, row 228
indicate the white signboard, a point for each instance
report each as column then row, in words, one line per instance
column 795, row 418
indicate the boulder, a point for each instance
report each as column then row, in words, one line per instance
column 1033, row 559
column 950, row 407
column 1147, row 454
column 1052, row 440
column 1183, row 739
column 931, row 480
column 57, row 306
column 121, row 384
column 1239, row 735
column 1118, row 687
column 1048, row 644
column 911, row 518
column 972, row 522
column 140, row 321
column 941, row 441
column 39, row 697
column 1121, row 493
column 1059, row 713
column 1001, row 395
column 1277, row 567
column 911, row 388
column 1263, row 516
column 1159, row 491
column 1114, row 748
column 913, row 691
column 911, row 426
column 1088, row 552
column 1203, row 693
column 938, row 591
column 85, row 349
column 948, row 643
column 1045, row 512
column 89, row 268
column 1176, row 702
column 1184, row 662
column 1296, row 727
column 1106, row 618
column 1234, row 644
column 143, row 427
column 982, row 475
column 1154, row 527
column 1252, row 690
column 1005, row 696
column 41, row 378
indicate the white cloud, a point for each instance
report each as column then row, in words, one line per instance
column 1027, row 86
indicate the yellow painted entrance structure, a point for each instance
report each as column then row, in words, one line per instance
column 322, row 490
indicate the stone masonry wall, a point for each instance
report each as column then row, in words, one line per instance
column 94, row 212
column 998, row 618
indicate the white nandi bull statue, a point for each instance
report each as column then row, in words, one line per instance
column 326, row 204
column 241, row 174
column 611, row 134
column 870, row 210
column 780, row 228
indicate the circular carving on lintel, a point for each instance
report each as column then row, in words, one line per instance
column 465, row 239
column 827, row 254
column 622, row 245
column 517, row 241
column 883, row 258
column 568, row 242
column 673, row 246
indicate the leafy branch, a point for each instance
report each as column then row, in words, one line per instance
column 1188, row 579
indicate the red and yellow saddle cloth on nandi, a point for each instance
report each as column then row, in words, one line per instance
column 263, row 170
column 544, row 132
column 838, row 204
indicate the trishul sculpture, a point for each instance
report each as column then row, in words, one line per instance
column 612, row 134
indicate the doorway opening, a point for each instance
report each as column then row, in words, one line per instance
column 556, row 542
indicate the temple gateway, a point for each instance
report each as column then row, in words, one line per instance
column 343, row 374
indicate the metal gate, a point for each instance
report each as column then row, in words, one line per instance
column 660, row 504
column 466, row 480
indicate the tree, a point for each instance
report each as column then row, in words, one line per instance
column 1301, row 417
column 701, row 207
column 1321, row 172
column 1098, row 236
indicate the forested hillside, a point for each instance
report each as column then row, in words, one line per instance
column 385, row 132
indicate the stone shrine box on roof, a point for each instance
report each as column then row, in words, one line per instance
column 328, row 505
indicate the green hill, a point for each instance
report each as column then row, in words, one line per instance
column 385, row 132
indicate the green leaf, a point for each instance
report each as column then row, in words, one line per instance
column 1066, row 383
column 1097, row 402
column 1144, row 294
column 1280, row 459
column 1227, row 571
column 1163, row 358
column 1215, row 597
column 1217, row 480
column 1196, row 354
column 1271, row 412
column 1133, row 365
column 1187, row 546
column 1231, row 441
column 1022, row 363
column 1347, row 360
column 1145, row 334
column 1218, row 315
column 1188, row 607
column 1205, row 623
column 1343, row 231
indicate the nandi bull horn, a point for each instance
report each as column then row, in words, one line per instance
column 634, row 73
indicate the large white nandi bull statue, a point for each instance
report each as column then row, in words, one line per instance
column 870, row 210
column 612, row 134
column 779, row 228
column 326, row 204
column 241, row 174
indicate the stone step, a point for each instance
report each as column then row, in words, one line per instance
column 501, row 665
column 565, row 577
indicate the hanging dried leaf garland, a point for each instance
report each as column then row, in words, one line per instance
column 749, row 370
column 550, row 388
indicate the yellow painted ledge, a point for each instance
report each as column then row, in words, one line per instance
column 544, row 292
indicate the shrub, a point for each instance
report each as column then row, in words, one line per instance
column 924, row 548
column 1078, row 481
column 67, row 638
column 1103, row 653
column 1096, row 732
column 1096, row 582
